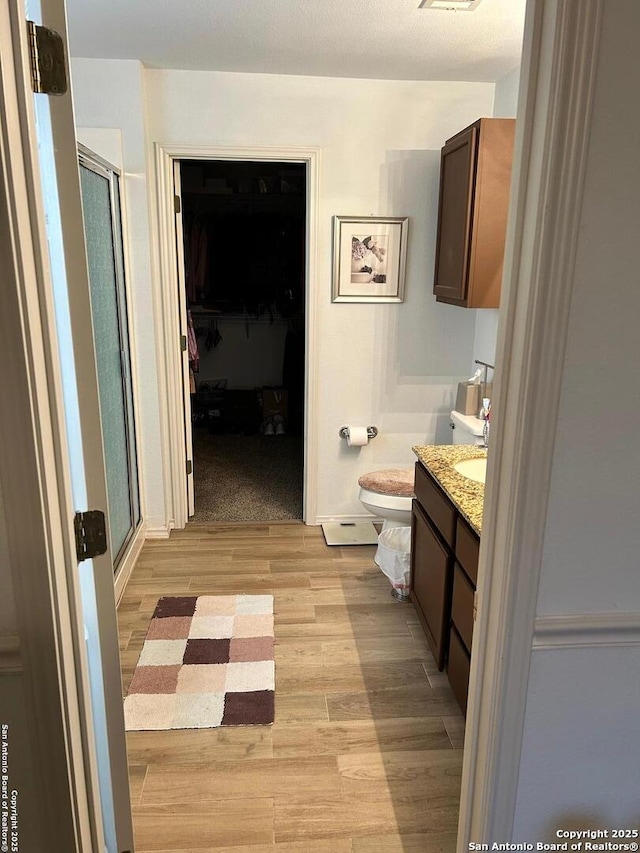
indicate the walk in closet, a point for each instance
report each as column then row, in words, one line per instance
column 243, row 227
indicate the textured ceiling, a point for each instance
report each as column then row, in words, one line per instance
column 383, row 39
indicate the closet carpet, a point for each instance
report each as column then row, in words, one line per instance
column 247, row 478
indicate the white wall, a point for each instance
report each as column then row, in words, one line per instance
column 109, row 95
column 394, row 366
column 250, row 355
column 505, row 105
column 485, row 336
column 581, row 748
column 106, row 142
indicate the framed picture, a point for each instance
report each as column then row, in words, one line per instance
column 369, row 258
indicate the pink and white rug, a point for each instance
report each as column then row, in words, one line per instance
column 207, row 661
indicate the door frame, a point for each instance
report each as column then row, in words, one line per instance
column 134, row 546
column 168, row 316
column 183, row 309
column 113, row 175
column 557, row 86
column 49, row 652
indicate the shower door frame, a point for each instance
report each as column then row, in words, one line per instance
column 168, row 320
column 97, row 164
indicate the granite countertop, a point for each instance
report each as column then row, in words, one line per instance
column 467, row 495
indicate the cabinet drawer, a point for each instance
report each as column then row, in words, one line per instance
column 467, row 549
column 436, row 504
column 458, row 670
column 431, row 581
column 462, row 606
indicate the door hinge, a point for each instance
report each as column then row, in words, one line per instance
column 475, row 605
column 183, row 343
column 91, row 534
column 176, row 203
column 189, row 467
column 48, row 60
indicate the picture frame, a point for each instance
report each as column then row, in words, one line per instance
column 369, row 258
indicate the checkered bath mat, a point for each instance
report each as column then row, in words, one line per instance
column 207, row 661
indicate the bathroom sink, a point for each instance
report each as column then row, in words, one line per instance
column 473, row 469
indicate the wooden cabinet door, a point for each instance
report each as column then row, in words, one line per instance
column 462, row 606
column 458, row 670
column 431, row 580
column 457, row 177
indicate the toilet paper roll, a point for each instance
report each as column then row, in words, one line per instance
column 357, row 436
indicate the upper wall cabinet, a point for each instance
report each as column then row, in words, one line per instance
column 475, row 177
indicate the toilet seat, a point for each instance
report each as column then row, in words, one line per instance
column 389, row 481
column 388, row 494
column 397, row 503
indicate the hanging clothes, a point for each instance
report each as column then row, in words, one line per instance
column 196, row 250
column 192, row 345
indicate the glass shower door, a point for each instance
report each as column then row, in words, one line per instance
column 100, row 186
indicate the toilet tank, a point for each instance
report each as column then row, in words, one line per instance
column 465, row 429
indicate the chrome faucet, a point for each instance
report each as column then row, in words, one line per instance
column 485, row 415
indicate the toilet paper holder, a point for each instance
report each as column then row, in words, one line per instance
column 372, row 431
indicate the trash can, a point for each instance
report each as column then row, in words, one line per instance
column 393, row 558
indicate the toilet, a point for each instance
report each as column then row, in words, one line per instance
column 466, row 429
column 388, row 494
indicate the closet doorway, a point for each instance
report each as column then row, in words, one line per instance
column 241, row 245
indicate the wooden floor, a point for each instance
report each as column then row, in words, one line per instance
column 365, row 753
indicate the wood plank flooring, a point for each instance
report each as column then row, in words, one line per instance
column 365, row 754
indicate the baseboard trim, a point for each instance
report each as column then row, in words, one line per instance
column 10, row 657
column 586, row 630
column 161, row 531
column 346, row 519
column 128, row 563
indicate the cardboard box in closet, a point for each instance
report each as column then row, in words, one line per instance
column 274, row 402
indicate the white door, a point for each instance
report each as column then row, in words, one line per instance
column 58, row 225
column 182, row 309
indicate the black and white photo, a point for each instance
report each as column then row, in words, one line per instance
column 369, row 259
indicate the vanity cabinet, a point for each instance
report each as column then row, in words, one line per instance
column 465, row 575
column 431, row 582
column 433, row 521
column 475, row 179
column 444, row 572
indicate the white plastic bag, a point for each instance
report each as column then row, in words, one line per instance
column 394, row 555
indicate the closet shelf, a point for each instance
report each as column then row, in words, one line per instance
column 253, row 196
column 264, row 319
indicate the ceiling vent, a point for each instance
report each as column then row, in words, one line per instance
column 451, row 5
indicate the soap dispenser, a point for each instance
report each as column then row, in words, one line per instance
column 485, row 415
